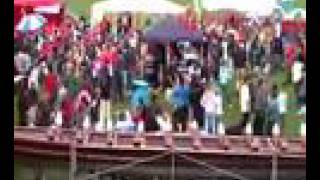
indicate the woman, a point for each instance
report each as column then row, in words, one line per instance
column 208, row 102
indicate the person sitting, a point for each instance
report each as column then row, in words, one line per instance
column 164, row 122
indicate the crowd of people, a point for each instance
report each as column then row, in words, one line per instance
column 78, row 71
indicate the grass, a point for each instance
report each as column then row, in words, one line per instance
column 300, row 3
column 82, row 7
column 16, row 113
column 231, row 105
column 291, row 120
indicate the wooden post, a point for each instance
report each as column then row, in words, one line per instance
column 109, row 120
column 114, row 23
column 134, row 20
column 167, row 54
column 201, row 54
column 73, row 160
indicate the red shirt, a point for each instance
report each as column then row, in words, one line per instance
column 109, row 57
column 67, row 109
column 50, row 83
column 290, row 55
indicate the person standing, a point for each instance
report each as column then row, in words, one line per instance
column 273, row 113
column 302, row 90
column 282, row 103
column 245, row 100
column 260, row 105
column 208, row 102
column 219, row 106
column 180, row 100
column 296, row 72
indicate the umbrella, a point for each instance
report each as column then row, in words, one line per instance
column 172, row 30
column 31, row 22
column 140, row 83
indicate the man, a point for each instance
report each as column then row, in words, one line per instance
column 180, row 100
column 50, row 85
column 260, row 104
column 296, row 72
column 272, row 110
column 22, row 62
column 302, row 90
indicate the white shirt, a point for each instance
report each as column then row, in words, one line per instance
column 125, row 125
column 96, row 68
column 34, row 77
column 208, row 102
column 75, row 34
column 244, row 98
column 225, row 50
column 282, row 101
column 296, row 71
column 219, row 104
column 133, row 42
column 40, row 43
column 164, row 125
column 168, row 94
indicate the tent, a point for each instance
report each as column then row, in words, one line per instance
column 258, row 7
column 50, row 9
column 35, row 3
column 172, row 30
column 293, row 17
column 98, row 9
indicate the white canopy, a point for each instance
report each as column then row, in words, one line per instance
column 296, row 13
column 53, row 9
column 145, row 6
column 257, row 7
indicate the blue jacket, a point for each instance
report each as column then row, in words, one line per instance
column 141, row 93
column 180, row 96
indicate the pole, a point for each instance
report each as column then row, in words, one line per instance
column 108, row 103
column 167, row 54
column 274, row 172
column 172, row 166
column 73, row 159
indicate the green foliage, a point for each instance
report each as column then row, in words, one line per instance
column 300, row 3
column 16, row 111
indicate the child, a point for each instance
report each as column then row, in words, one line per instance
column 164, row 122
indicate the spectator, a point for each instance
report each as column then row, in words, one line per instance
column 180, row 100
column 219, row 106
column 245, row 100
column 302, row 90
column 209, row 103
column 260, row 105
column 273, row 113
column 296, row 72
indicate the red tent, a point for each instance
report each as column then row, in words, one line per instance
column 35, row 3
column 29, row 6
column 294, row 26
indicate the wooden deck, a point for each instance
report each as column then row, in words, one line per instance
column 111, row 148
